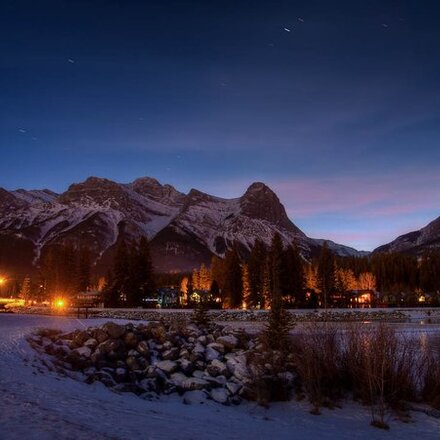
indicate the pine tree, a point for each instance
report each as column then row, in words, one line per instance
column 184, row 291
column 214, row 290
column 117, row 279
column 217, row 270
column 141, row 281
column 205, row 277
column 246, row 286
column 326, row 273
column 196, row 279
column 266, row 293
column 276, row 333
column 295, row 281
column 277, row 268
column 257, row 265
column 233, row 289
column 26, row 290
column 83, row 270
column 189, row 290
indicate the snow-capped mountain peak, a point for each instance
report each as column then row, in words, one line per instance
column 185, row 230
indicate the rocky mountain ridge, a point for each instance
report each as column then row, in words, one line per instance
column 185, row 229
column 416, row 242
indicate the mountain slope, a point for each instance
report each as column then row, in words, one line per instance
column 416, row 242
column 185, row 230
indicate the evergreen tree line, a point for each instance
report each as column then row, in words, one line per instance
column 396, row 272
column 64, row 270
column 268, row 273
column 131, row 279
column 277, row 271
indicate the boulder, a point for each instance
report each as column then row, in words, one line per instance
column 120, row 374
column 220, row 395
column 202, row 339
column 111, row 345
column 199, row 374
column 114, row 330
column 233, row 388
column 217, row 368
column 83, row 352
column 229, row 341
column 132, row 363
column 184, row 353
column 211, row 354
column 186, row 366
column 143, row 348
column 199, row 348
column 178, row 379
column 92, row 343
column 195, row 397
column 194, row 383
column 167, row 366
column 130, row 340
column 80, row 338
column 104, row 377
column 237, row 367
column 149, row 385
column 220, row 348
column 171, row 354
column 100, row 335
column 215, row 382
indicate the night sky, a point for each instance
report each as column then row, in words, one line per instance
column 335, row 105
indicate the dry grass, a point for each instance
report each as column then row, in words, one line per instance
column 383, row 370
column 380, row 368
column 319, row 364
column 430, row 387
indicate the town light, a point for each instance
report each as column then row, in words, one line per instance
column 2, row 280
column 59, row 303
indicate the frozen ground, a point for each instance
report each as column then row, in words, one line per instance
column 36, row 404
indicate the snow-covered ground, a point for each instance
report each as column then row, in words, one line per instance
column 37, row 404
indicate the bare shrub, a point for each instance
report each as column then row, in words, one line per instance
column 430, row 386
column 382, row 368
column 318, row 362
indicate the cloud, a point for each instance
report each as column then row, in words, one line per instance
column 396, row 193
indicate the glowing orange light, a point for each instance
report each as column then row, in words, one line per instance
column 59, row 303
column 2, row 280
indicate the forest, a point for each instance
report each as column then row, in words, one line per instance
column 240, row 281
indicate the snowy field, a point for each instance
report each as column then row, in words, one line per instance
column 36, row 404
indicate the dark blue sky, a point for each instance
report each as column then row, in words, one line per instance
column 335, row 105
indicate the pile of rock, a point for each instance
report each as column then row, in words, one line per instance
column 156, row 358
column 318, row 315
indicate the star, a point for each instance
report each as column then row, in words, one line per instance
column 71, row 60
column 22, row 130
column 301, row 19
column 287, row 29
column 385, row 25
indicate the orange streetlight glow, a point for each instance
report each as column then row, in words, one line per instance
column 59, row 303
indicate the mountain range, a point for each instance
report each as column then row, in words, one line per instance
column 185, row 230
column 416, row 242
